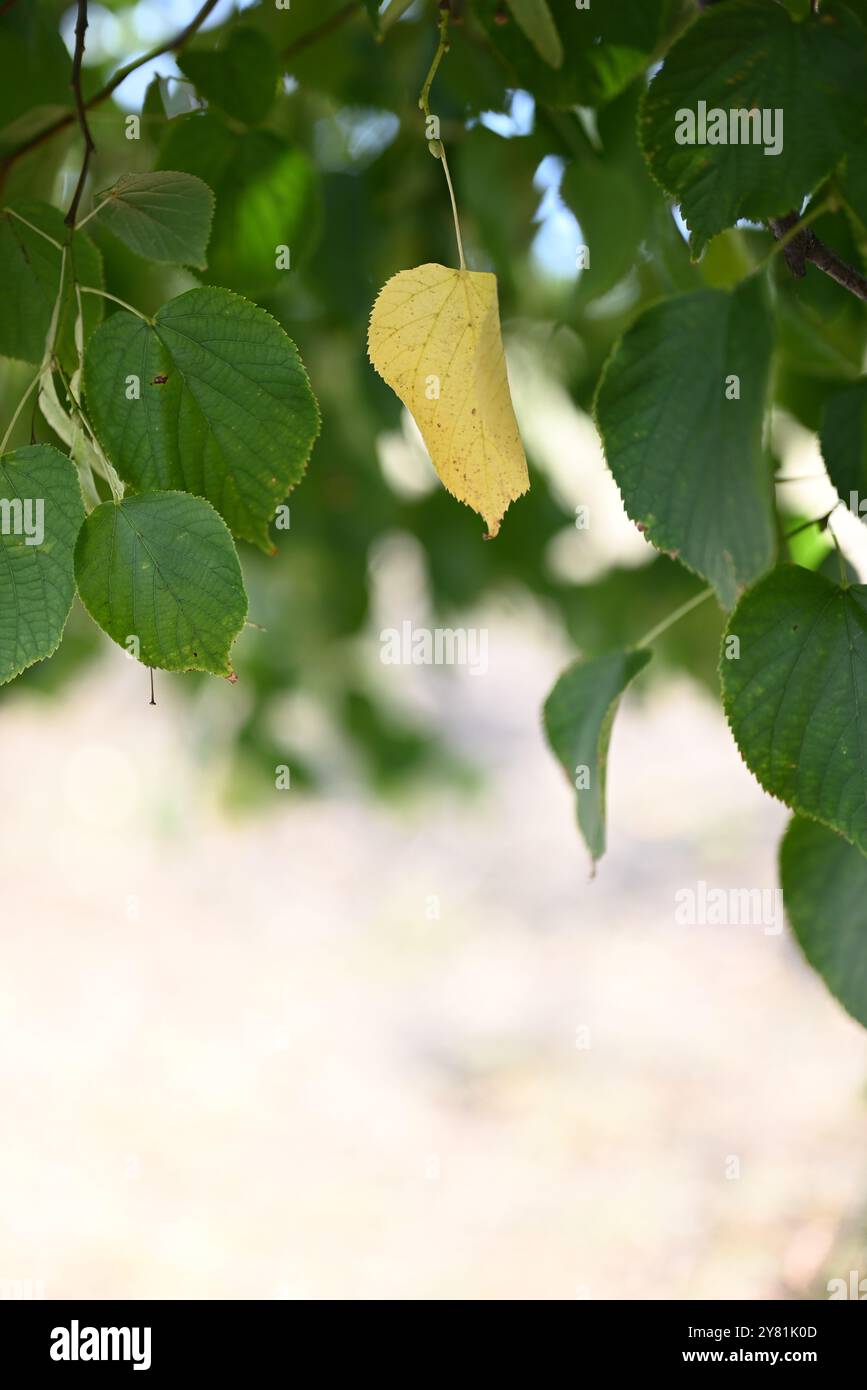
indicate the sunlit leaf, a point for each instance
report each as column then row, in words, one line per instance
column 434, row 337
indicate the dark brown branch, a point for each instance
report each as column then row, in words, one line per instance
column 89, row 147
column 805, row 247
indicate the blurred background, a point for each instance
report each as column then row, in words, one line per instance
column 378, row 1033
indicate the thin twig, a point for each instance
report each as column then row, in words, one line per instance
column 802, row 245
column 820, row 521
column 172, row 45
column 81, row 113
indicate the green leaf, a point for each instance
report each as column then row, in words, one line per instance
column 853, row 184
column 749, row 55
column 30, row 282
column 535, row 19
column 161, row 567
column 604, row 47
column 796, row 694
column 844, row 441
column 40, row 502
column 267, row 196
column 613, row 198
column 825, row 893
column 164, row 216
column 225, row 409
column 578, row 716
column 153, row 108
column 689, row 461
column 241, row 77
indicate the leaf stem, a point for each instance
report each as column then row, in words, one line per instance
column 674, row 617
column 104, row 294
column 436, row 146
column 18, row 409
column 38, row 230
column 445, row 165
column 92, row 213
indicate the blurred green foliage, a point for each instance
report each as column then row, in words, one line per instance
column 305, row 122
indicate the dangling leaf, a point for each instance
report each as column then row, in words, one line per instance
column 825, row 893
column 578, row 715
column 434, row 337
column 162, row 569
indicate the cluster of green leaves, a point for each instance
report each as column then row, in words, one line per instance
column 204, row 412
column 682, row 406
column 300, row 127
column 182, row 430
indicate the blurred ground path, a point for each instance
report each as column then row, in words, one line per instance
column 348, row 1050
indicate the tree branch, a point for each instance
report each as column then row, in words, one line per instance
column 170, row 46
column 805, row 246
column 89, row 147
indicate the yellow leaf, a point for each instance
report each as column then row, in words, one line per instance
column 434, row 337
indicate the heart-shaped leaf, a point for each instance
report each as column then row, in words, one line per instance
column 159, row 573
column 210, row 398
column 795, row 692
column 825, row 893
